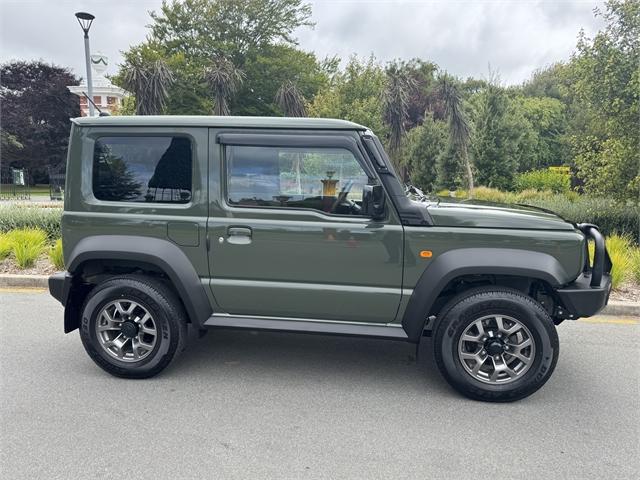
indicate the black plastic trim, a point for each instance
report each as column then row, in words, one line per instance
column 601, row 260
column 163, row 254
column 306, row 326
column 409, row 213
column 250, row 139
column 474, row 261
column 580, row 299
column 60, row 286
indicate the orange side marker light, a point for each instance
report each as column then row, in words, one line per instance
column 426, row 253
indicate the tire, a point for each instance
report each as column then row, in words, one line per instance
column 114, row 320
column 489, row 363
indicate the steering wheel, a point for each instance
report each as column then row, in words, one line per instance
column 343, row 201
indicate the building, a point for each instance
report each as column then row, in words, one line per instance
column 106, row 96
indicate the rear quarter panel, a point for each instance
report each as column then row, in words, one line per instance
column 84, row 215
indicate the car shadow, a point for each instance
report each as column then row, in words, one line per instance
column 260, row 356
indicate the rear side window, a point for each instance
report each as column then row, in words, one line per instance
column 142, row 169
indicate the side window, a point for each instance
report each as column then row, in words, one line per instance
column 142, row 169
column 327, row 179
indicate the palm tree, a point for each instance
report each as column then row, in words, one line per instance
column 149, row 82
column 224, row 79
column 290, row 100
column 395, row 104
column 459, row 132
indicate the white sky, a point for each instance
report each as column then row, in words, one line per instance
column 464, row 37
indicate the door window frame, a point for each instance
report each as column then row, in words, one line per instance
column 290, row 140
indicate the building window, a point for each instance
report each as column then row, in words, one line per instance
column 142, row 169
column 111, row 100
column 326, row 179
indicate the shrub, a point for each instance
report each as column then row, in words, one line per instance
column 611, row 217
column 27, row 245
column 5, row 246
column 619, row 247
column 634, row 265
column 487, row 194
column 55, row 255
column 19, row 217
column 555, row 182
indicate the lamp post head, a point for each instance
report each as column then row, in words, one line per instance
column 85, row 20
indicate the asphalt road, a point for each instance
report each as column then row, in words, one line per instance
column 252, row 405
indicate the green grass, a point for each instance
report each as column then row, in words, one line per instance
column 27, row 245
column 55, row 255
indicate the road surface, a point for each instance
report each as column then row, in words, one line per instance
column 250, row 405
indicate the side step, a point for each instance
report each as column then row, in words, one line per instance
column 323, row 327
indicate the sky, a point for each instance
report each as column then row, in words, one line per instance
column 466, row 38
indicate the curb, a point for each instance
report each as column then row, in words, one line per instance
column 23, row 281
column 618, row 309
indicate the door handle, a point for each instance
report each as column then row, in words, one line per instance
column 239, row 235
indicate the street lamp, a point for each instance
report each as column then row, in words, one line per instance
column 85, row 20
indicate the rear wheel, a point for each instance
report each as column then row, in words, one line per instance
column 133, row 326
column 495, row 344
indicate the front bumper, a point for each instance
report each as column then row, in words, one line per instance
column 589, row 293
column 580, row 299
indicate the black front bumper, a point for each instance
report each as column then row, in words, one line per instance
column 589, row 293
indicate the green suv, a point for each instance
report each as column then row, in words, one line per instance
column 302, row 225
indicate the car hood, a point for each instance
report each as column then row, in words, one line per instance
column 491, row 215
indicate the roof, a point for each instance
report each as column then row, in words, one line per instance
column 218, row 121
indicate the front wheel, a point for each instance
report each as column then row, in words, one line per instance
column 495, row 344
column 133, row 326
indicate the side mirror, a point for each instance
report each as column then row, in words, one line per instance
column 373, row 201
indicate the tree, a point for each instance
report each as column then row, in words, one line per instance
column 459, row 132
column 224, row 78
column 149, row 79
column 199, row 29
column 290, row 100
column 496, row 138
column 36, row 107
column 543, row 123
column 606, row 87
column 255, row 35
column 267, row 69
column 354, row 94
column 395, row 106
column 424, row 145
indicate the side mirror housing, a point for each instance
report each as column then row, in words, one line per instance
column 373, row 201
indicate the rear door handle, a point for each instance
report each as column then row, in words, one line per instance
column 239, row 235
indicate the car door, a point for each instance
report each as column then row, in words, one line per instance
column 286, row 234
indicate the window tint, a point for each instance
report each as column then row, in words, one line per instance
column 326, row 179
column 142, row 169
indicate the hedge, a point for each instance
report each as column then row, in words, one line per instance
column 14, row 217
column 611, row 216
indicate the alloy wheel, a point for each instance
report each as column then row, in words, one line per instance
column 126, row 330
column 496, row 349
